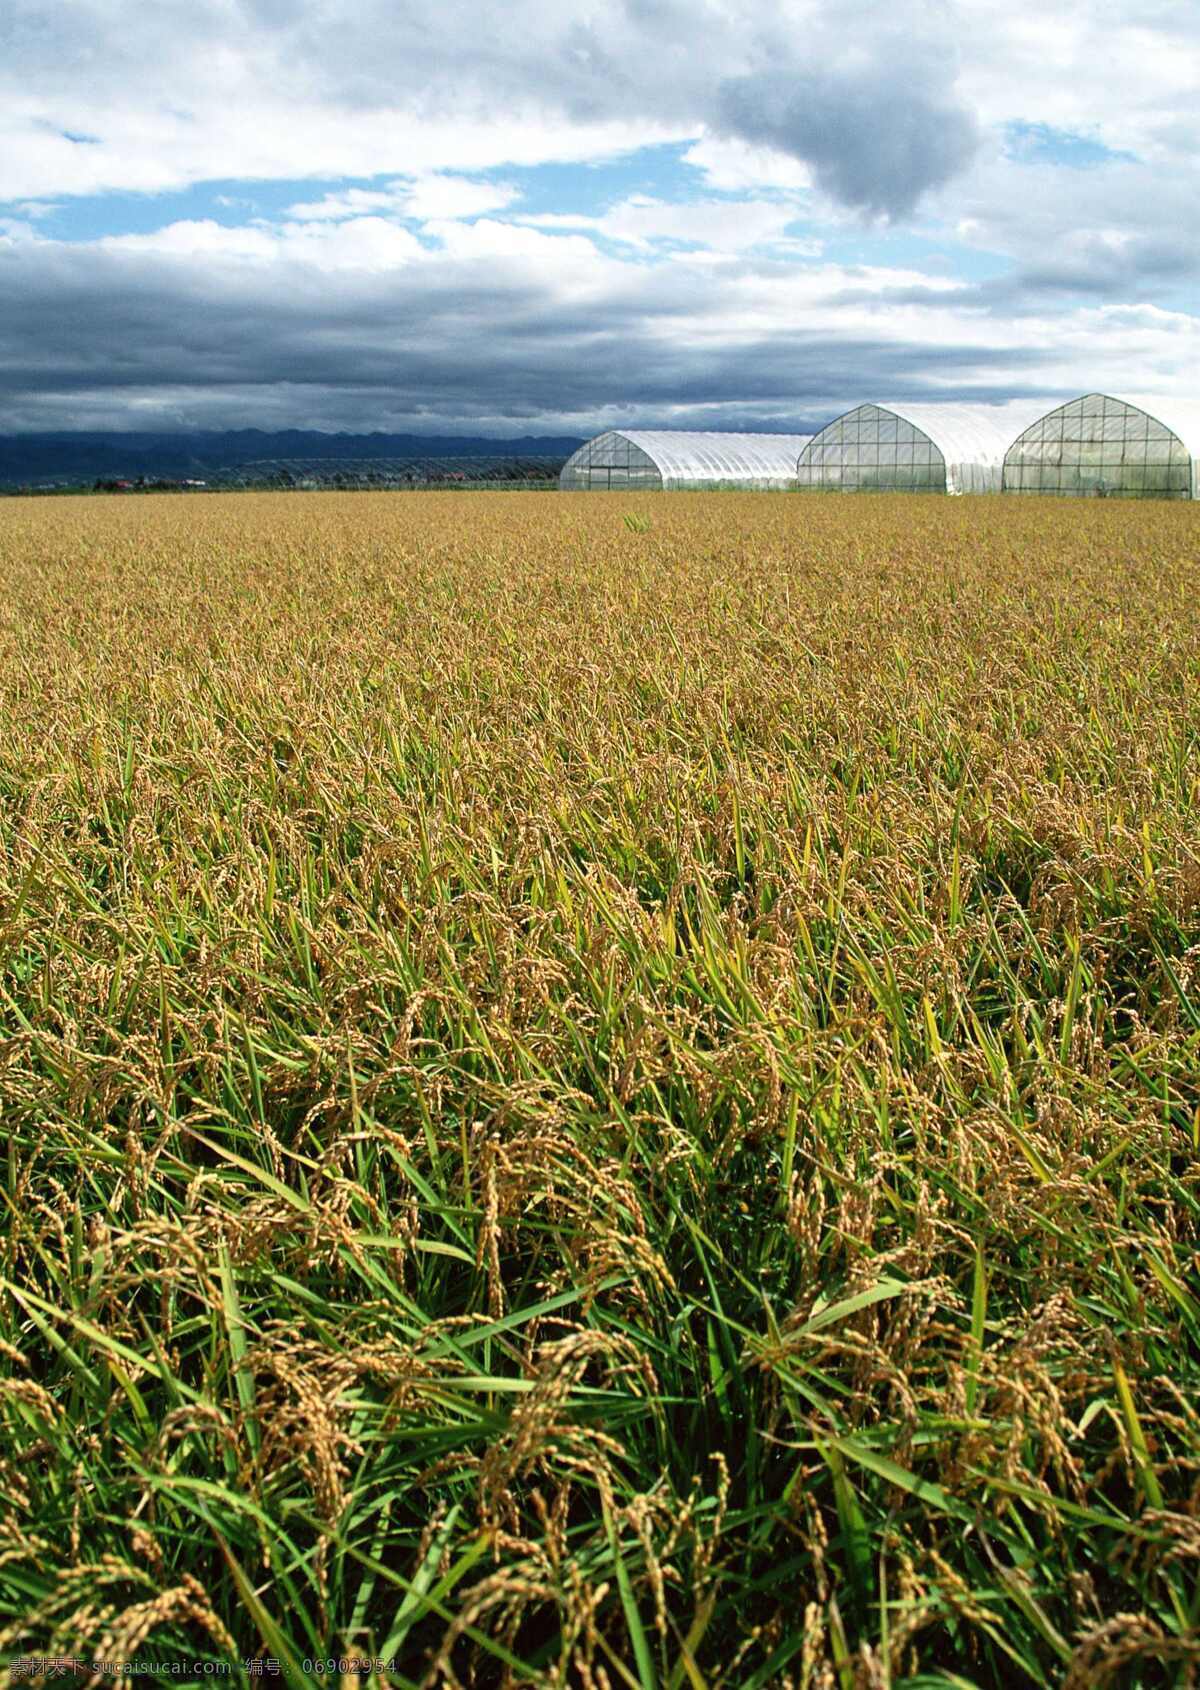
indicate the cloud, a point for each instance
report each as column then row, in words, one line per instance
column 423, row 199
column 733, row 166
column 855, row 200
column 878, row 106
column 358, row 243
column 721, row 226
column 877, row 135
column 387, row 90
column 1117, row 229
column 357, row 324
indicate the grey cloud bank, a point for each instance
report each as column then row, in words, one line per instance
column 104, row 335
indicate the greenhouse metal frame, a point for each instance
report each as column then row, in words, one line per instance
column 921, row 448
column 1093, row 445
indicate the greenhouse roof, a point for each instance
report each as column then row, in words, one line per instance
column 1179, row 415
column 963, row 433
column 699, row 455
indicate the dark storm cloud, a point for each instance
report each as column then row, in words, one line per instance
column 876, row 140
column 91, row 333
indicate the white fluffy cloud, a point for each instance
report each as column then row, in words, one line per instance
column 437, row 195
column 357, row 243
column 643, row 222
column 876, row 104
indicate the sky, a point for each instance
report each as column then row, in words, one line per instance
column 450, row 218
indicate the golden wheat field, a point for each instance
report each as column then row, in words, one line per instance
column 601, row 1106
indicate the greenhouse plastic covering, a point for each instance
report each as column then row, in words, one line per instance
column 678, row 458
column 1100, row 447
column 914, row 448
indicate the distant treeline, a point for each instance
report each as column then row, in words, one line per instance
column 55, row 462
column 288, row 482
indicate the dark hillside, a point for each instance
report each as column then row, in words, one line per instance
column 78, row 457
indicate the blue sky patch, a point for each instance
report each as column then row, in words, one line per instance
column 1039, row 143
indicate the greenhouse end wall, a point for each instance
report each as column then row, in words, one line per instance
column 871, row 449
column 611, row 460
column 1100, row 447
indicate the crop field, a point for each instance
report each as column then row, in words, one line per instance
column 598, row 1103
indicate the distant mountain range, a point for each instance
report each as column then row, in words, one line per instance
column 68, row 457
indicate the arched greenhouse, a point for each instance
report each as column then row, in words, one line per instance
column 1101, row 447
column 912, row 449
column 678, row 458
